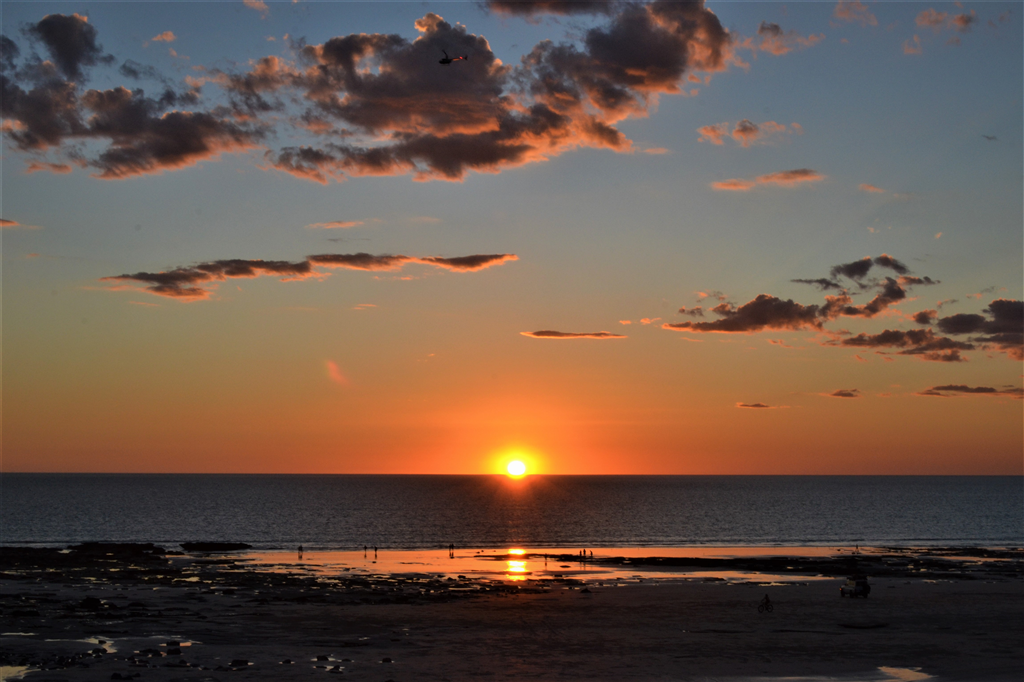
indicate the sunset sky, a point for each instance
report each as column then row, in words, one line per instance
column 663, row 238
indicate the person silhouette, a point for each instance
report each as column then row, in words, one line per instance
column 300, row 552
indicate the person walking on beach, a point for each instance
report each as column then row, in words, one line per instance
column 300, row 552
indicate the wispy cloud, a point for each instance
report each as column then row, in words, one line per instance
column 191, row 283
column 549, row 334
column 855, row 11
column 790, row 178
column 745, row 132
column 335, row 225
column 864, row 187
column 951, row 390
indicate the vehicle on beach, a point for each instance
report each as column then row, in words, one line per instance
column 855, row 586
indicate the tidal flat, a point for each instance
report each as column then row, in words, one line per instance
column 134, row 611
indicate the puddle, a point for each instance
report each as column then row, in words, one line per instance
column 13, row 672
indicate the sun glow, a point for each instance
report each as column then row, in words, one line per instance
column 516, row 468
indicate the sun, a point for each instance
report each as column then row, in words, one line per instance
column 516, row 468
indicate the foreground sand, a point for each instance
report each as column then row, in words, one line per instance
column 184, row 620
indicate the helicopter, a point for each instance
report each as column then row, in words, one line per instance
column 448, row 60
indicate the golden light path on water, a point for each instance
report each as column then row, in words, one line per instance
column 518, row 564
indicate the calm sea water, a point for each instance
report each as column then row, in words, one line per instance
column 420, row 512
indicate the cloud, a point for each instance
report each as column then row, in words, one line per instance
column 919, row 342
column 951, row 390
column 692, row 312
column 186, row 283
column 845, row 393
column 854, row 11
column 548, row 334
column 71, row 42
column 335, row 374
column 531, row 8
column 864, row 187
column 757, row 406
column 764, row 312
column 335, row 224
column 936, row 21
column 370, row 104
column 912, row 47
column 790, row 178
column 778, row 42
column 931, row 18
column 745, row 132
column 925, row 317
column 1001, row 327
column 259, row 6
column 165, row 37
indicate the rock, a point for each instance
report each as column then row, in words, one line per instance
column 90, row 604
column 386, row 659
column 323, row 657
column 239, row 663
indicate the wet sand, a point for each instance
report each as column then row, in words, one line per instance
column 138, row 614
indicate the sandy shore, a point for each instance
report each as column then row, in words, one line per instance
column 138, row 614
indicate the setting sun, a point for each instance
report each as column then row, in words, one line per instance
column 516, row 468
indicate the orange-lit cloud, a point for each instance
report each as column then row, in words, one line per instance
column 790, row 178
column 529, row 8
column 864, row 187
column 165, row 37
column 548, row 334
column 1001, row 327
column 257, row 5
column 854, row 11
column 923, row 343
column 185, row 283
column 335, row 225
column 778, row 42
column 745, row 132
column 335, row 374
column 912, row 47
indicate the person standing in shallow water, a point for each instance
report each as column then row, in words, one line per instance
column 300, row 552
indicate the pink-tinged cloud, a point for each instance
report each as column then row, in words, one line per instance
column 745, row 132
column 468, row 263
column 778, row 42
column 548, row 334
column 845, row 393
column 952, row 390
column 657, row 151
column 931, row 18
column 55, row 168
column 790, row 178
column 9, row 224
column 864, row 187
column 912, row 47
column 257, row 5
column 186, row 283
column 165, row 37
column 856, row 12
column 335, row 374
column 335, row 225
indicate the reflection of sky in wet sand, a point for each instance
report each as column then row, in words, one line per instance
column 518, row 564
column 883, row 674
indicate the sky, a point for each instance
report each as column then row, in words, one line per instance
column 606, row 238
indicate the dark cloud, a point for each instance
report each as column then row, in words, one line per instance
column 185, row 282
column 764, row 312
column 697, row 311
column 845, row 393
column 926, row 316
column 382, row 102
column 755, row 406
column 548, row 334
column 71, row 42
column 1002, row 328
column 529, row 8
column 822, row 283
column 923, row 343
column 859, row 269
column 955, row 389
column 910, row 280
column 8, row 53
column 778, row 42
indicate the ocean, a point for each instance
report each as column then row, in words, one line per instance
column 346, row 512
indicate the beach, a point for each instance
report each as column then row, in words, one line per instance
column 136, row 613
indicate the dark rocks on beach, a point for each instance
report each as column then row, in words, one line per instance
column 239, row 663
column 214, row 546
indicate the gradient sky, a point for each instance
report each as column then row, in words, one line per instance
column 665, row 238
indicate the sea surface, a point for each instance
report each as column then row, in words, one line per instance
column 346, row 512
